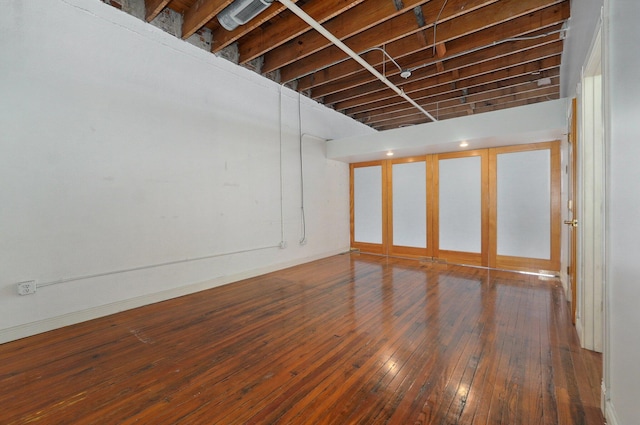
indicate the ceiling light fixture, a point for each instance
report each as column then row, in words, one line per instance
column 464, row 144
column 404, row 73
column 389, row 153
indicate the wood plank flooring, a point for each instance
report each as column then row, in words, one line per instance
column 351, row 339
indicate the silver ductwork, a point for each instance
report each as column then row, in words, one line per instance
column 240, row 12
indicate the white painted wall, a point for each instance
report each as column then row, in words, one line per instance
column 623, row 206
column 622, row 91
column 124, row 147
column 585, row 15
column 540, row 122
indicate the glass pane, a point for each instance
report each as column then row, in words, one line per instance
column 367, row 199
column 524, row 204
column 410, row 204
column 460, row 195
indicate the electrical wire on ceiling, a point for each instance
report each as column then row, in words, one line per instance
column 406, row 72
column 495, row 43
column 346, row 49
column 435, row 28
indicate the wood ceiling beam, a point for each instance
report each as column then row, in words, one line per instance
column 413, row 118
column 457, row 26
column 479, row 109
column 407, row 121
column 353, row 21
column 517, row 92
column 289, row 26
column 412, row 45
column 443, row 93
column 493, row 52
column 517, row 74
column 535, row 92
column 153, row 8
column 200, row 13
column 441, row 50
column 502, row 78
column 372, row 92
column 456, row 96
column 467, row 79
column 360, row 32
column 221, row 38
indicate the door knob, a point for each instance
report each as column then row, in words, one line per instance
column 572, row 223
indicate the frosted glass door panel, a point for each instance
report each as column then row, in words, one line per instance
column 410, row 204
column 460, row 199
column 524, row 204
column 367, row 208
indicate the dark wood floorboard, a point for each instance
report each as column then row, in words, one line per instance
column 351, row 339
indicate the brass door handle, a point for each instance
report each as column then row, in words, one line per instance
column 572, row 223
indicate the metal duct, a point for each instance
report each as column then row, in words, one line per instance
column 240, row 12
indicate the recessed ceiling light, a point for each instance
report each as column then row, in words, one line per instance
column 464, row 144
column 389, row 153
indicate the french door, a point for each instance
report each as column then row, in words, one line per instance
column 491, row 207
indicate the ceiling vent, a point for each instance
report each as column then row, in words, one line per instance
column 240, row 12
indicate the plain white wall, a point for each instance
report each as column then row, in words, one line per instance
column 622, row 91
column 623, row 207
column 585, row 15
column 540, row 122
column 124, row 147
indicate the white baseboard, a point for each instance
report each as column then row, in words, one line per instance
column 564, row 280
column 45, row 325
column 610, row 414
column 579, row 330
column 603, row 396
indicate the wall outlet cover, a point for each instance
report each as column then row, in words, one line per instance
column 27, row 287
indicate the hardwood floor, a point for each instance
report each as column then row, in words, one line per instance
column 351, row 339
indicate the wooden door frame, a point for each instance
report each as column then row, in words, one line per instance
column 488, row 256
column 365, row 246
column 406, row 251
column 457, row 257
column 573, row 210
column 520, row 263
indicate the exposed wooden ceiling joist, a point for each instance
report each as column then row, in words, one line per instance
column 201, row 12
column 289, row 26
column 153, row 8
column 486, row 67
column 477, row 56
column 352, row 22
column 519, row 92
column 391, row 105
column 380, row 34
column 458, row 52
column 421, row 53
column 221, row 38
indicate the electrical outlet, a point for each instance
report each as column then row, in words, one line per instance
column 26, row 288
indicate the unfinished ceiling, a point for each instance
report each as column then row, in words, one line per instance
column 464, row 56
